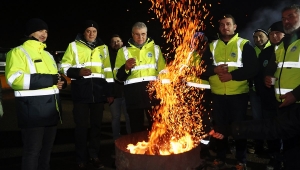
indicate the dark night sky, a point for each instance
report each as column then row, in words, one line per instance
column 112, row 17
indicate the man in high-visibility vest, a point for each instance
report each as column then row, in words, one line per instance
column 32, row 73
column 284, row 68
column 138, row 63
column 230, row 61
column 86, row 61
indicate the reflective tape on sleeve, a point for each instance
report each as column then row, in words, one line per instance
column 282, row 91
column 203, row 86
column 41, row 92
column 140, row 79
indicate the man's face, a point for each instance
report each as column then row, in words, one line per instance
column 41, row 35
column 290, row 21
column 227, row 27
column 139, row 35
column 275, row 37
column 116, row 43
column 90, row 34
column 260, row 38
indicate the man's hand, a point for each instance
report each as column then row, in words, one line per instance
column 288, row 99
column 221, row 69
column 85, row 72
column 60, row 84
column 110, row 100
column 216, row 134
column 268, row 81
column 225, row 77
column 130, row 63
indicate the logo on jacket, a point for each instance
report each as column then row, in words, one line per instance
column 100, row 56
column 265, row 63
column 233, row 55
column 149, row 54
column 293, row 49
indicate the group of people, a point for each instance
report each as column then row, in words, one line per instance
column 118, row 76
column 235, row 73
column 276, row 97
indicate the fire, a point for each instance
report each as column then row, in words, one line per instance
column 177, row 123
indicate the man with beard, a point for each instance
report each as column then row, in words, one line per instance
column 118, row 105
column 230, row 62
column 284, row 66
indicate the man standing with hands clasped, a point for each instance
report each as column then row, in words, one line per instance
column 86, row 61
column 230, row 62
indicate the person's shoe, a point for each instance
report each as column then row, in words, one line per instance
column 218, row 165
column 97, row 163
column 240, row 166
column 81, row 166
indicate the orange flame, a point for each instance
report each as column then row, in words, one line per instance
column 177, row 123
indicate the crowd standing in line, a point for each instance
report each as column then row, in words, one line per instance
column 283, row 68
column 119, row 76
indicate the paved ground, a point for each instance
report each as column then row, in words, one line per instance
column 63, row 152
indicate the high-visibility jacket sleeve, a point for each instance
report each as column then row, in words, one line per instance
column 119, row 70
column 67, row 62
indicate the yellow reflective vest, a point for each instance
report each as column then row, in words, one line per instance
column 231, row 54
column 257, row 50
column 194, row 60
column 149, row 62
column 288, row 68
column 97, row 60
column 95, row 87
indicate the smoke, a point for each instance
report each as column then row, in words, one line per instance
column 263, row 18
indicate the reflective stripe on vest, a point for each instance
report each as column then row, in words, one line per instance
column 30, row 63
column 238, row 63
column 289, row 64
column 156, row 51
column 203, row 86
column 40, row 92
column 26, row 93
column 99, row 64
column 93, row 75
column 140, row 79
column 282, row 91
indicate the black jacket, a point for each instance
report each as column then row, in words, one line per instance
column 118, row 89
column 267, row 95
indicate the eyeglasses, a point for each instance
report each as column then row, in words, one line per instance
column 139, row 35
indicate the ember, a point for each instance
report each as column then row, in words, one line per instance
column 177, row 124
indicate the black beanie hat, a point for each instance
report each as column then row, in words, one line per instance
column 260, row 30
column 276, row 26
column 35, row 24
column 87, row 24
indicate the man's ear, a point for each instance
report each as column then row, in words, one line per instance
column 234, row 27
